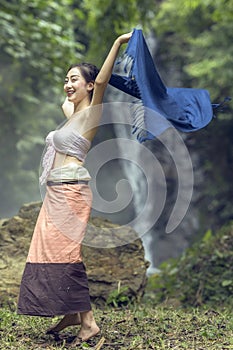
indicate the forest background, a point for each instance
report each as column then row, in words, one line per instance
column 40, row 39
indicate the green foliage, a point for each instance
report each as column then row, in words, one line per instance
column 203, row 275
column 199, row 34
column 38, row 39
column 118, row 297
column 104, row 20
column 36, row 46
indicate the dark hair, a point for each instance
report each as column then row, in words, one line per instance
column 89, row 72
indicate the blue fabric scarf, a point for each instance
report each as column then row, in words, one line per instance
column 185, row 108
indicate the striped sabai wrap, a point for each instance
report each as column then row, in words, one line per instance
column 54, row 281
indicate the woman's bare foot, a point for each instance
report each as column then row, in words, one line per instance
column 87, row 332
column 89, row 327
column 66, row 321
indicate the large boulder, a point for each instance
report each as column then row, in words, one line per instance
column 111, row 270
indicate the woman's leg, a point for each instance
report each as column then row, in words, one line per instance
column 66, row 321
column 89, row 327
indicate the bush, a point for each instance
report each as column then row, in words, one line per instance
column 202, row 275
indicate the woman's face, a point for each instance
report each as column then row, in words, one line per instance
column 75, row 86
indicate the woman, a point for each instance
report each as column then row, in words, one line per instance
column 54, row 280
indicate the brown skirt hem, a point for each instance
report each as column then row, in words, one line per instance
column 53, row 289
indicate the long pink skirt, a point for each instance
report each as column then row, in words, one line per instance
column 54, row 281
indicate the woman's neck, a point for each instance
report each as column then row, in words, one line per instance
column 82, row 105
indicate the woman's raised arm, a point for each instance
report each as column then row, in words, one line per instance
column 105, row 72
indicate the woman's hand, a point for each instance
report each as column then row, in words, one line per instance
column 124, row 38
column 68, row 108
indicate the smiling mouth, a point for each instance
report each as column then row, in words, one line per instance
column 70, row 93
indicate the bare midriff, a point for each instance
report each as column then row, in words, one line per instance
column 63, row 159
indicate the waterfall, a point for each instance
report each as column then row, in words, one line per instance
column 158, row 245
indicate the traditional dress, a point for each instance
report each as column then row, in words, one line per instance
column 54, row 281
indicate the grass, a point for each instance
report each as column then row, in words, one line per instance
column 140, row 327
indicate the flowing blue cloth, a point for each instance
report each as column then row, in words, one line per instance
column 186, row 109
